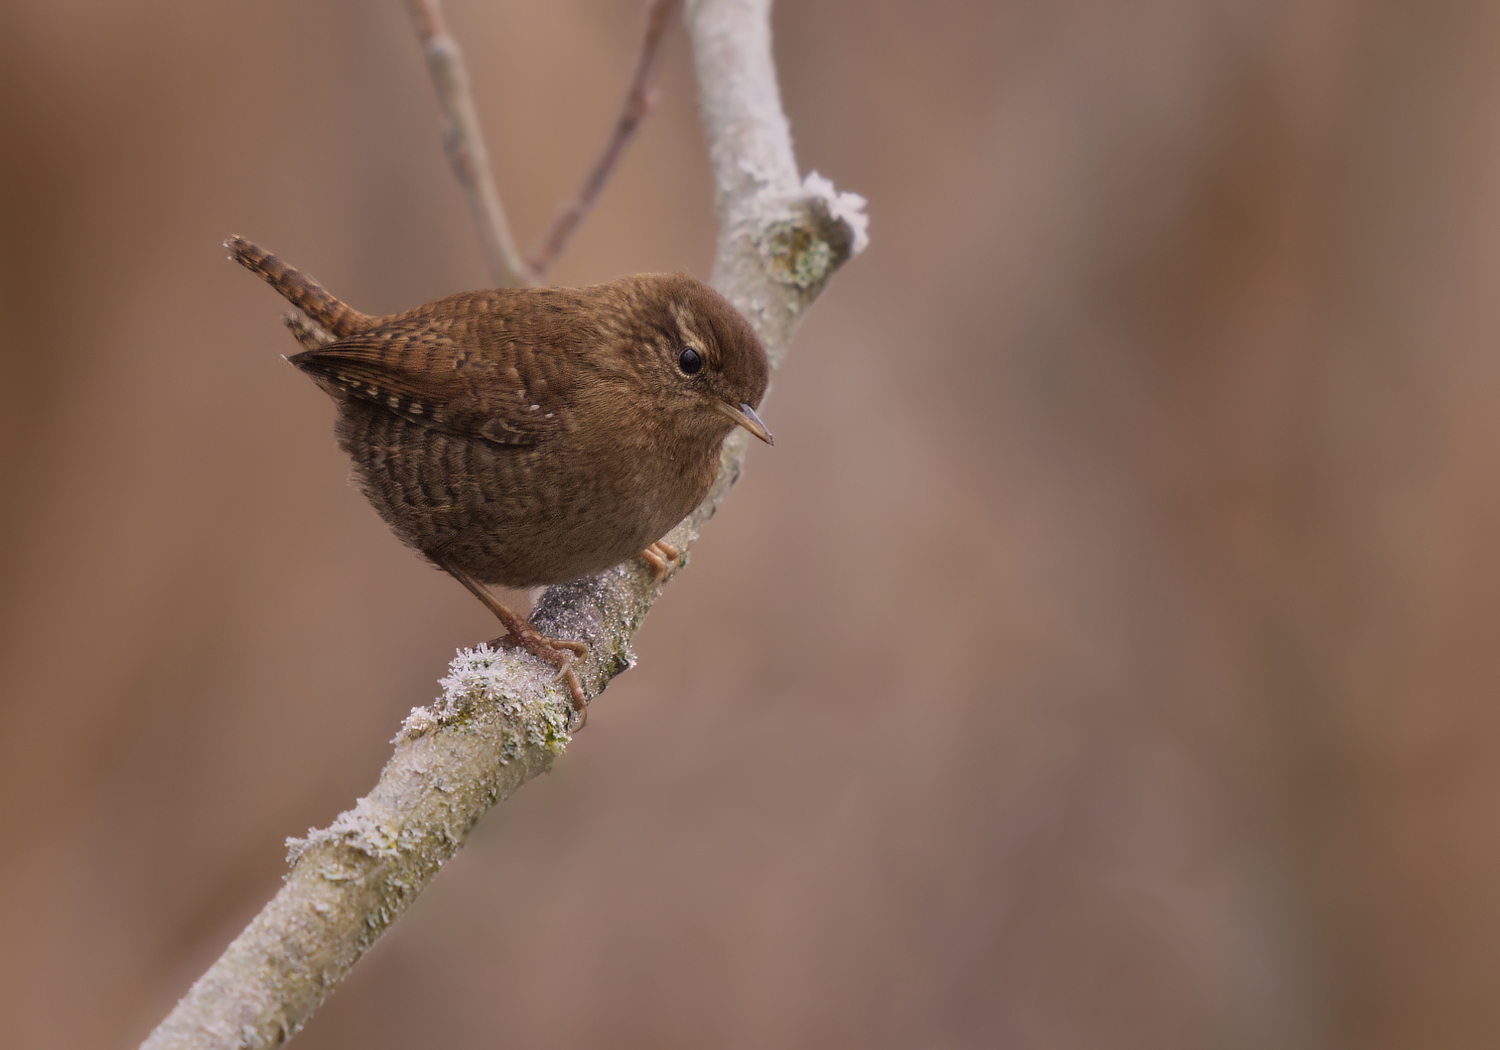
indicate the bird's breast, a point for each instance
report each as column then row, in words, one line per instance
column 522, row 516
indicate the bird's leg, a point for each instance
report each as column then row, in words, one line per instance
column 661, row 556
column 559, row 652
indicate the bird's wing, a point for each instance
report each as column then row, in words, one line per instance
column 426, row 377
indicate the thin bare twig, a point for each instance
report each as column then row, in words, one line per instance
column 464, row 143
column 639, row 98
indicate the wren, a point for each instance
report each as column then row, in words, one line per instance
column 528, row 436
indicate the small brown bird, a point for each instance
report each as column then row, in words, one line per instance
column 526, row 436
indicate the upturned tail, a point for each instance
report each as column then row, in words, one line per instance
column 299, row 289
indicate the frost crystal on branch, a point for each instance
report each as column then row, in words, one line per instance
column 845, row 207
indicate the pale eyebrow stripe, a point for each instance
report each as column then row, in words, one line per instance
column 681, row 314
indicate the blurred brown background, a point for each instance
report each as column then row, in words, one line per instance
column 1106, row 655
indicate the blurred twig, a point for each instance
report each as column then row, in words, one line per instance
column 639, row 99
column 501, row 719
column 464, row 143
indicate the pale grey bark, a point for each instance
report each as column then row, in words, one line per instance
column 501, row 719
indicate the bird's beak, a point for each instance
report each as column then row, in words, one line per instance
column 745, row 416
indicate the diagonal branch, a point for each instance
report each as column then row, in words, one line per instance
column 501, row 720
column 463, row 141
column 639, row 98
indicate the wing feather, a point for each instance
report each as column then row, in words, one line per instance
column 428, row 377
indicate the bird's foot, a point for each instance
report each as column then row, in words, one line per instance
column 559, row 652
column 661, row 556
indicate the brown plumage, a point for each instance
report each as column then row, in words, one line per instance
column 525, row 436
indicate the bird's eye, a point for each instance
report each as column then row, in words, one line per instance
column 690, row 362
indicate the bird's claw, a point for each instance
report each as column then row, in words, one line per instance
column 560, row 653
column 661, row 556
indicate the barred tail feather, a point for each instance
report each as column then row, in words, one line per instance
column 299, row 289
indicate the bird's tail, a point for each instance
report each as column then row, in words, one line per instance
column 299, row 289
